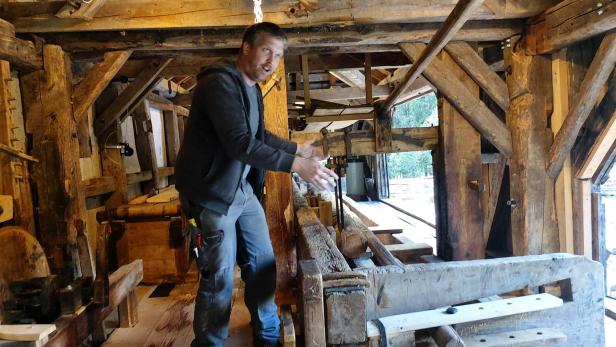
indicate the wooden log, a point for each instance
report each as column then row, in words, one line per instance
column 20, row 53
column 470, row 107
column 446, row 336
column 312, row 304
column 318, row 245
column 599, row 71
column 353, row 243
column 460, row 232
column 169, row 209
column 455, row 20
column 468, row 59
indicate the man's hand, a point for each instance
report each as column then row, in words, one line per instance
column 309, row 150
column 312, row 171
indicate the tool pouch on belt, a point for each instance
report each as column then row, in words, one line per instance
column 197, row 249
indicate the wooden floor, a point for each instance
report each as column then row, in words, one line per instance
column 167, row 321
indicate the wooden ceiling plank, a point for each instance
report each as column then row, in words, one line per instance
column 97, row 79
column 597, row 75
column 135, row 91
column 85, row 11
column 471, row 108
column 459, row 15
column 468, row 59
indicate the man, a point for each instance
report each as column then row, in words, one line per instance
column 219, row 175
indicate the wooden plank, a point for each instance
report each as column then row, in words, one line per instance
column 97, row 79
column 460, row 231
column 288, row 329
column 534, row 229
column 172, row 136
column 84, row 11
column 20, row 53
column 174, row 325
column 562, row 187
column 518, row 338
column 384, row 229
column 409, row 249
column 121, row 283
column 138, row 177
column 98, row 186
column 465, row 102
column 596, row 76
column 570, row 22
column 14, row 171
column 480, row 72
column 131, row 96
column 495, row 180
column 312, row 304
column 395, row 325
column 455, row 20
column 26, row 332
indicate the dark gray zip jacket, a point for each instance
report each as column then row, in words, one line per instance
column 218, row 142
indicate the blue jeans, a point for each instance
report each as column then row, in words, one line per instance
column 241, row 234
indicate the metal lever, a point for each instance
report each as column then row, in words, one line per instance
column 125, row 148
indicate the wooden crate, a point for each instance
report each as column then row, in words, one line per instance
column 161, row 244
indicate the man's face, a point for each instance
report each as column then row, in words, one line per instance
column 262, row 58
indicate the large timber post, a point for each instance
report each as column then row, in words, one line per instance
column 278, row 201
column 533, row 223
column 460, row 231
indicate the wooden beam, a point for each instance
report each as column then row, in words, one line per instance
column 348, row 61
column 339, row 94
column 596, row 77
column 343, row 117
column 569, row 22
column 460, row 224
column 475, row 111
column 131, row 96
column 362, row 142
column 518, row 338
column 468, row 59
column 368, row 77
column 312, row 304
column 85, row 11
column 325, row 39
column 17, row 153
column 138, row 177
column 97, row 79
column 98, row 186
column 135, row 15
column 495, row 180
column 306, row 84
column 602, row 136
column 20, row 53
column 459, row 15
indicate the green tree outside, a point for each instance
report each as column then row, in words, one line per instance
column 420, row 112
